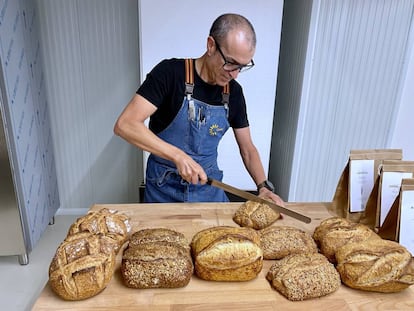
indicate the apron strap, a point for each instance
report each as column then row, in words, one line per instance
column 225, row 98
column 189, row 83
column 226, row 95
column 189, row 77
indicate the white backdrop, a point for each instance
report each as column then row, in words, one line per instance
column 180, row 29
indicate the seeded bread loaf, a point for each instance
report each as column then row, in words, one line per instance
column 375, row 265
column 280, row 241
column 156, row 265
column 304, row 276
column 157, row 258
column 255, row 215
column 152, row 235
column 227, row 253
column 335, row 232
column 82, row 266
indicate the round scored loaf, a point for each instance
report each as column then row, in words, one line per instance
column 375, row 265
column 335, row 232
column 303, row 276
column 105, row 221
column 82, row 266
column 255, row 215
column 326, row 225
column 157, row 258
column 225, row 253
column 280, row 241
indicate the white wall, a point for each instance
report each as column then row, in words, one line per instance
column 402, row 134
column 180, row 29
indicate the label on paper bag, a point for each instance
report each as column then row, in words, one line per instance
column 407, row 220
column 361, row 174
column 391, row 184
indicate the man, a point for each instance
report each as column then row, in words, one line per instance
column 191, row 103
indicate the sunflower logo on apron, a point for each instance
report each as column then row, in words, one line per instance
column 214, row 129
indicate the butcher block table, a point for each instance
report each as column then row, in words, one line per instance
column 256, row 294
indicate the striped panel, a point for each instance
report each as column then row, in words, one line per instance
column 346, row 96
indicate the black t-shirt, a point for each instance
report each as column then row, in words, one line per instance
column 164, row 87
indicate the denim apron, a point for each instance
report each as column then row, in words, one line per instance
column 197, row 130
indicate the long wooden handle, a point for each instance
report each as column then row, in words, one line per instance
column 250, row 196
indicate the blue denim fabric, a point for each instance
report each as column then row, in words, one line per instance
column 197, row 130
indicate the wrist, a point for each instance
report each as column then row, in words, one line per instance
column 267, row 185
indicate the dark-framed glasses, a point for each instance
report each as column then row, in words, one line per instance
column 230, row 66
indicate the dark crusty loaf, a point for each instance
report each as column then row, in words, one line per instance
column 152, row 235
column 255, row 215
column 303, row 276
column 157, row 258
column 375, row 265
column 335, row 232
column 280, row 241
column 104, row 221
column 227, row 253
column 82, row 266
column 156, row 265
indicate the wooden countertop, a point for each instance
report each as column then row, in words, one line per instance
column 207, row 295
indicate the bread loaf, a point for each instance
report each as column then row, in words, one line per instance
column 82, row 266
column 375, row 265
column 280, row 241
column 303, row 276
column 326, row 225
column 227, row 253
column 156, row 265
column 152, row 235
column 104, row 221
column 255, row 215
column 157, row 258
column 335, row 232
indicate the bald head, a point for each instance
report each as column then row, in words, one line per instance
column 226, row 23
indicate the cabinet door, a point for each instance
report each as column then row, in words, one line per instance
column 26, row 116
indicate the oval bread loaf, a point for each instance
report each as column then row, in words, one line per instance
column 280, row 241
column 156, row 265
column 335, row 232
column 303, row 276
column 82, row 266
column 157, row 258
column 255, row 215
column 152, row 235
column 375, row 265
column 226, row 253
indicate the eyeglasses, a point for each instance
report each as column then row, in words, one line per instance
column 230, row 66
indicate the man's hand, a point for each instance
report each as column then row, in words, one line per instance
column 190, row 170
column 265, row 193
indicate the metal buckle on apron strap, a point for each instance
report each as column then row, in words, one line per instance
column 226, row 98
column 189, row 88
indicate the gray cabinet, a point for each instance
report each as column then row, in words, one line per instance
column 29, row 195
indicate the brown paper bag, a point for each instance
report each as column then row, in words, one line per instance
column 388, row 187
column 406, row 215
column 400, row 215
column 341, row 203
